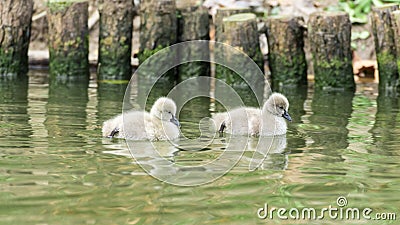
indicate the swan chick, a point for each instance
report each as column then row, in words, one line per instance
column 268, row 121
column 160, row 124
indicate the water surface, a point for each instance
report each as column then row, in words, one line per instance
column 55, row 167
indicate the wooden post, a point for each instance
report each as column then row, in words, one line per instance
column 330, row 38
column 384, row 46
column 158, row 26
column 221, row 14
column 287, row 60
column 395, row 17
column 239, row 31
column 115, row 39
column 15, row 31
column 193, row 24
column 158, row 30
column 68, row 39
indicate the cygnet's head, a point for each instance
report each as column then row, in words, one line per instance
column 278, row 105
column 165, row 109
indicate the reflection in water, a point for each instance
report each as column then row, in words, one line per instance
column 268, row 153
column 13, row 107
column 66, row 110
column 330, row 115
column 296, row 98
column 385, row 131
column 189, row 162
column 110, row 99
column 66, row 174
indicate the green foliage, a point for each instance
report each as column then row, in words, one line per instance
column 358, row 9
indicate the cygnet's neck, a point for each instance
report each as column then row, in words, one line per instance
column 272, row 124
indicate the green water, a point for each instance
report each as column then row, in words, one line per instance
column 55, row 168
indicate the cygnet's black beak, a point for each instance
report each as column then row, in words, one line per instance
column 286, row 116
column 175, row 121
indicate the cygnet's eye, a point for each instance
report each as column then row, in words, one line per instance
column 281, row 107
column 169, row 112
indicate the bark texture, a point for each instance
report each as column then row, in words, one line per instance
column 15, row 31
column 330, row 42
column 193, row 24
column 115, row 39
column 395, row 16
column 239, row 31
column 287, row 61
column 68, row 40
column 158, row 26
column 221, row 14
column 385, row 48
column 158, row 30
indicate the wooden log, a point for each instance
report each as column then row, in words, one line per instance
column 15, row 30
column 287, row 60
column 395, row 18
column 158, row 30
column 158, row 27
column 221, row 14
column 115, row 39
column 330, row 44
column 193, row 24
column 68, row 39
column 239, row 31
column 384, row 46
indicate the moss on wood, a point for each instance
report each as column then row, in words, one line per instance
column 286, row 56
column 330, row 42
column 385, row 47
column 115, row 39
column 240, row 32
column 15, row 30
column 69, row 40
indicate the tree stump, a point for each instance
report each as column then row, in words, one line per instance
column 330, row 44
column 158, row 30
column 395, row 17
column 384, row 46
column 193, row 24
column 15, row 32
column 239, row 31
column 115, row 39
column 158, row 27
column 287, row 60
column 68, row 39
column 221, row 14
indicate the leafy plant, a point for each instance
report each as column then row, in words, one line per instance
column 358, row 9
